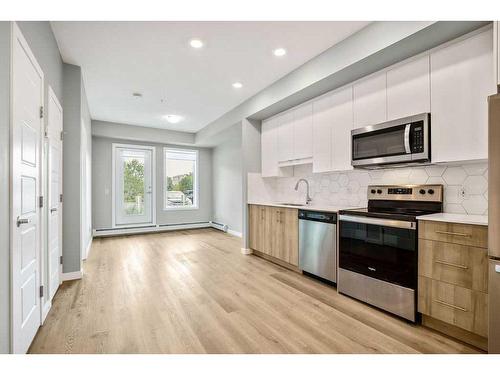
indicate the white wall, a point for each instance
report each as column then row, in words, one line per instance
column 227, row 180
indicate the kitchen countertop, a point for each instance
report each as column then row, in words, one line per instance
column 456, row 218
column 311, row 207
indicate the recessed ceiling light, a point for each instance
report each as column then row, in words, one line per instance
column 137, row 95
column 279, row 52
column 237, row 85
column 196, row 43
column 173, row 119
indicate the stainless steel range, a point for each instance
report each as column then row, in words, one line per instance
column 378, row 246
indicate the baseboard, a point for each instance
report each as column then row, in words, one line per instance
column 234, row 233
column 139, row 230
column 66, row 276
column 245, row 251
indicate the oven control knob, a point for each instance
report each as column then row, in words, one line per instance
column 422, row 191
column 430, row 191
column 373, row 191
column 379, row 191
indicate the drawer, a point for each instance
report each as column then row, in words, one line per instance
column 462, row 234
column 461, row 265
column 464, row 308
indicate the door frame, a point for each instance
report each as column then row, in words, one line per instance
column 45, row 210
column 16, row 34
column 114, row 146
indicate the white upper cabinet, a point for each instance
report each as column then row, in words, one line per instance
column 370, row 101
column 303, row 132
column 323, row 119
column 285, row 137
column 408, row 89
column 461, row 80
column 341, row 130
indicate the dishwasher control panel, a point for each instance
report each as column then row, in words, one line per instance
column 323, row 217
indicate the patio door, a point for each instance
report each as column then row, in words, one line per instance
column 133, row 186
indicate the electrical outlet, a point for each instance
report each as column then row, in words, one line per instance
column 462, row 192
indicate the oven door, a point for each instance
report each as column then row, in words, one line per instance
column 379, row 248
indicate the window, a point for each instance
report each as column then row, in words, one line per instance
column 181, row 179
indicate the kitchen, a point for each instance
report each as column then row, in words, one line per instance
column 380, row 189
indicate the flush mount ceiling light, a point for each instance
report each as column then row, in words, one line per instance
column 279, row 52
column 237, row 85
column 137, row 95
column 173, row 119
column 196, row 43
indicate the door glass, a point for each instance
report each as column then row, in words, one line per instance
column 379, row 144
column 133, row 182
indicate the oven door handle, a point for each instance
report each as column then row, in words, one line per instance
column 382, row 222
column 407, row 139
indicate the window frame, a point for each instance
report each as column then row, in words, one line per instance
column 196, row 187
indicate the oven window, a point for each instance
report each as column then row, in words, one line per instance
column 385, row 253
column 387, row 142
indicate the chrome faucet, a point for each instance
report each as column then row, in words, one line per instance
column 308, row 197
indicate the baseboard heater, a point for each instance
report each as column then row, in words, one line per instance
column 105, row 232
column 219, row 226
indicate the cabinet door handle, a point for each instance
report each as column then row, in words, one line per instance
column 451, row 264
column 453, row 233
column 450, row 305
column 262, row 214
column 278, row 217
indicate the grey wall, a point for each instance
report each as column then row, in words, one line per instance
column 4, row 188
column 227, row 180
column 86, row 172
column 140, row 133
column 102, row 181
column 251, row 151
column 72, row 92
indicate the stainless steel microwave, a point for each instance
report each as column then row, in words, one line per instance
column 403, row 141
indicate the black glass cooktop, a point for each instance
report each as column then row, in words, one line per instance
column 407, row 211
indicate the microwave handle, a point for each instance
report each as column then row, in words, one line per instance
column 407, row 139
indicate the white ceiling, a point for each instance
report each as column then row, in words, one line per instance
column 155, row 59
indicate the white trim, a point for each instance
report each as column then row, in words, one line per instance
column 87, row 250
column 114, row 146
column 235, row 233
column 157, row 228
column 67, row 276
column 45, row 309
column 246, row 251
column 196, row 192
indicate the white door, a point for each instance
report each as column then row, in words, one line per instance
column 341, row 130
column 54, row 205
column 27, row 125
column 133, row 185
column 285, row 137
column 370, row 101
column 303, row 132
column 322, row 134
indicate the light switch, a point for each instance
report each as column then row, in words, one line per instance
column 106, row 191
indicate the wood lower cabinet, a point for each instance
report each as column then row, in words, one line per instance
column 274, row 232
column 453, row 279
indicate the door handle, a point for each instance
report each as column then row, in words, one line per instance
column 53, row 210
column 20, row 221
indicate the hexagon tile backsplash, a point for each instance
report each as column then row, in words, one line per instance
column 465, row 186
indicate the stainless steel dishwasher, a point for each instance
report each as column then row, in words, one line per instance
column 318, row 244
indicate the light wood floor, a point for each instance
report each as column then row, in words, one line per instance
column 193, row 292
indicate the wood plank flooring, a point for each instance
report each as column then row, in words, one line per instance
column 194, row 292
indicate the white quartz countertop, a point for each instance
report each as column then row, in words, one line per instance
column 311, row 207
column 456, row 218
